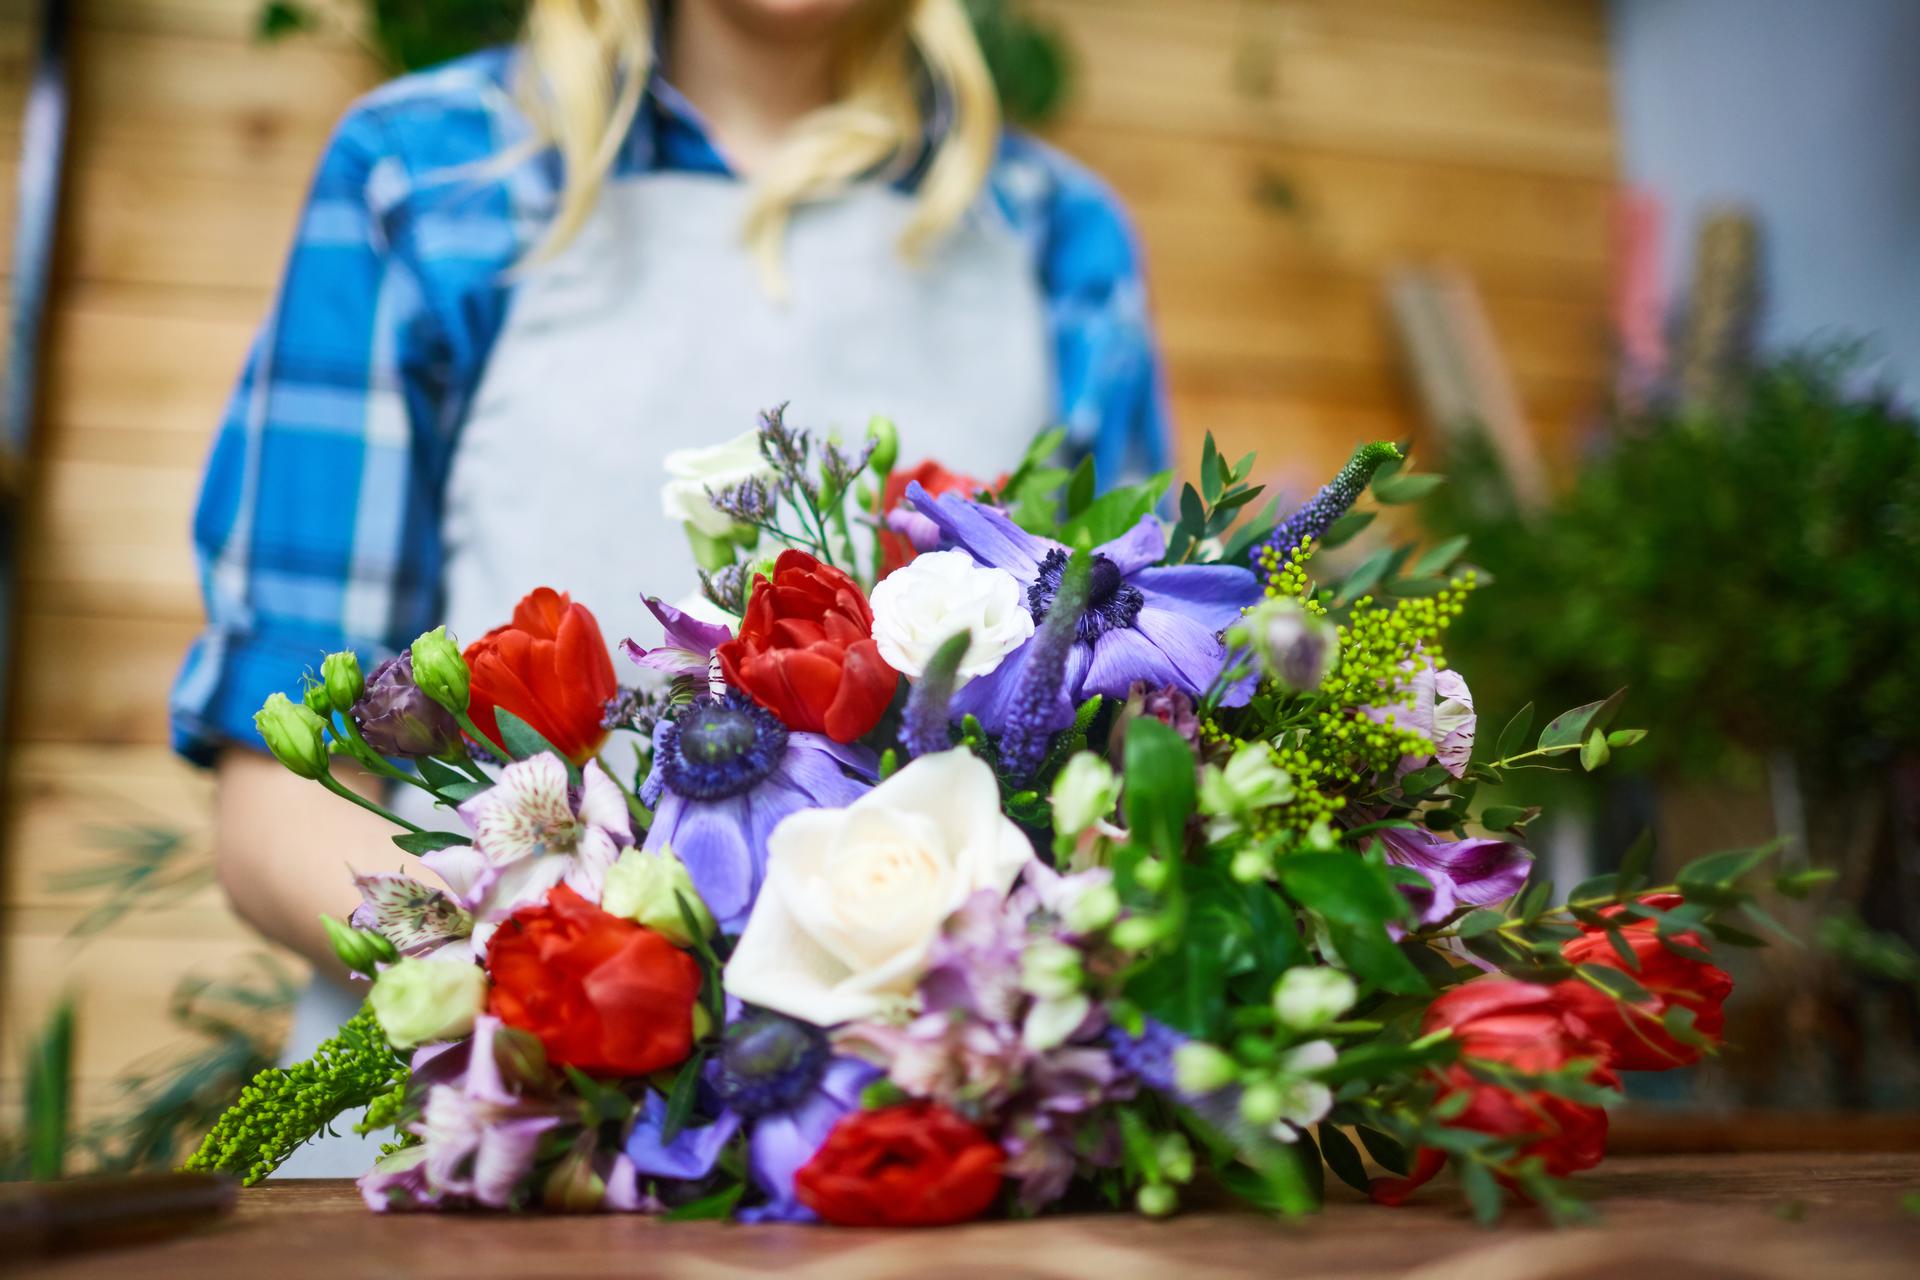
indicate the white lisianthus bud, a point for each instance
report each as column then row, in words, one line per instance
column 1297, row 648
column 1309, row 997
column 1252, row 780
column 1084, row 791
column 647, row 887
column 418, row 1001
column 691, row 472
column 1093, row 909
column 1200, row 1068
column 1050, row 1022
column 1051, row 970
column 918, row 606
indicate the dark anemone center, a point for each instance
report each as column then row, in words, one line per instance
column 769, row 1063
column 1112, row 601
column 720, row 747
column 715, row 734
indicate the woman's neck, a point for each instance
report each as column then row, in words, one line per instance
column 750, row 88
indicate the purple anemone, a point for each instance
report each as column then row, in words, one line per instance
column 725, row 772
column 1460, row 873
column 777, row 1079
column 1144, row 622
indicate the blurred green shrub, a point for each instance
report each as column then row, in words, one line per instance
column 1028, row 58
column 1752, row 571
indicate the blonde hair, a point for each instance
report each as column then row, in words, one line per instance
column 588, row 66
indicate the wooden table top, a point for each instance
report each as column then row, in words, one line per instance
column 1703, row 1217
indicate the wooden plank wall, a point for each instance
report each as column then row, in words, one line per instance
column 1474, row 131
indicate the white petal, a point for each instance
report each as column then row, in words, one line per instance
column 602, row 805
column 777, row 966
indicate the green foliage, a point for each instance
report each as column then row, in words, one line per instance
column 1028, row 59
column 285, row 1107
column 1749, row 571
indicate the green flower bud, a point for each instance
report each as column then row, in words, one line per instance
column 647, row 887
column 1136, row 933
column 1176, row 1156
column 1051, row 970
column 1156, row 1200
column 886, row 444
column 340, row 672
column 1152, row 874
column 1309, row 997
column 1252, row 780
column 1084, row 792
column 417, row 1001
column 361, row 950
column 1262, row 1104
column 1096, row 907
column 440, row 671
column 317, row 699
column 296, row 736
column 1200, row 1068
column 573, row 1186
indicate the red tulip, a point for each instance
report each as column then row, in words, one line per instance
column 1533, row 1029
column 1635, row 1033
column 550, row 667
column 806, row 652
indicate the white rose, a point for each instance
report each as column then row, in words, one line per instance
column 854, row 897
column 934, row 597
column 691, row 472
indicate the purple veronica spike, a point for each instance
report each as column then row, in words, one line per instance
column 1141, row 622
column 1313, row 518
column 923, row 731
column 1036, row 712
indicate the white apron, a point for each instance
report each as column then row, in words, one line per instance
column 652, row 332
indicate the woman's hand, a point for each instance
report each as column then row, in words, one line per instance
column 284, row 849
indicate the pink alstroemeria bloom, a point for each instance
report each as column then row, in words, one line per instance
column 418, row 919
column 531, row 831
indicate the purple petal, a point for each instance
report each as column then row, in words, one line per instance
column 711, row 839
column 693, row 1151
column 1126, row 655
column 986, row 534
column 816, row 764
column 1476, row 872
column 780, row 1144
column 992, row 697
column 684, row 631
column 922, row 533
column 1138, row 547
column 1192, row 647
column 505, row 1157
column 1211, row 594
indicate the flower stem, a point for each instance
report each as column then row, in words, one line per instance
column 341, row 789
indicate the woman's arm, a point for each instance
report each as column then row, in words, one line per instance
column 284, row 849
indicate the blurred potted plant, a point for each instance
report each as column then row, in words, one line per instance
column 1747, row 564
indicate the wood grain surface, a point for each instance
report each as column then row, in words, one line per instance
column 1828, row 1216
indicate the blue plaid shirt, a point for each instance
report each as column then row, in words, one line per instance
column 318, row 526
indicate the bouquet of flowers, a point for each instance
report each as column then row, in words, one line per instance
column 979, row 846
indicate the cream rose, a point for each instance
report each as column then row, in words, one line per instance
column 854, row 897
column 691, row 472
column 918, row 606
